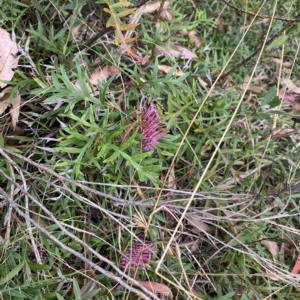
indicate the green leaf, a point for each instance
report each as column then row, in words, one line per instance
column 13, row 294
column 258, row 115
column 1, row 140
column 38, row 267
column 277, row 42
column 59, row 297
column 12, row 273
column 269, row 96
column 90, row 294
column 275, row 102
column 76, row 290
column 129, row 142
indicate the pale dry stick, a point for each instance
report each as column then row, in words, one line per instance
column 47, row 169
column 79, row 197
column 64, row 231
column 253, row 219
column 285, row 278
column 79, row 255
column 9, row 212
column 259, row 16
column 29, row 229
column 243, row 176
column 204, row 195
column 25, row 53
column 81, row 184
column 288, row 229
column 263, row 262
column 217, row 147
column 200, row 267
column 181, row 265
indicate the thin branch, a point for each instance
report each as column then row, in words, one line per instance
column 29, row 229
column 79, row 255
column 246, row 60
column 227, row 2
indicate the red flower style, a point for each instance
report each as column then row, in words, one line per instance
column 152, row 127
column 138, row 255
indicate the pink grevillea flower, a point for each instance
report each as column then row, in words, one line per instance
column 138, row 255
column 152, row 128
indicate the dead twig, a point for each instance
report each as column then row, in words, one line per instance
column 257, row 51
column 240, row 10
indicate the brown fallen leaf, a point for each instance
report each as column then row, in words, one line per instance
column 271, row 246
column 75, row 30
column 278, row 133
column 99, row 75
column 198, row 225
column 279, row 61
column 175, row 51
column 194, row 38
column 102, row 74
column 292, row 88
column 163, row 8
column 182, row 52
column 15, row 109
column 166, row 70
column 8, row 61
column 166, row 13
column 287, row 97
column 4, row 104
column 149, row 8
column 156, row 288
column 251, row 87
column 192, row 35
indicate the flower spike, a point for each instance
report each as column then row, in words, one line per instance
column 152, row 127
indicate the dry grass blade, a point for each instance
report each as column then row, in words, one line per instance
column 65, row 231
column 15, row 110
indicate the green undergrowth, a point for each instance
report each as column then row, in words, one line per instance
column 215, row 195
